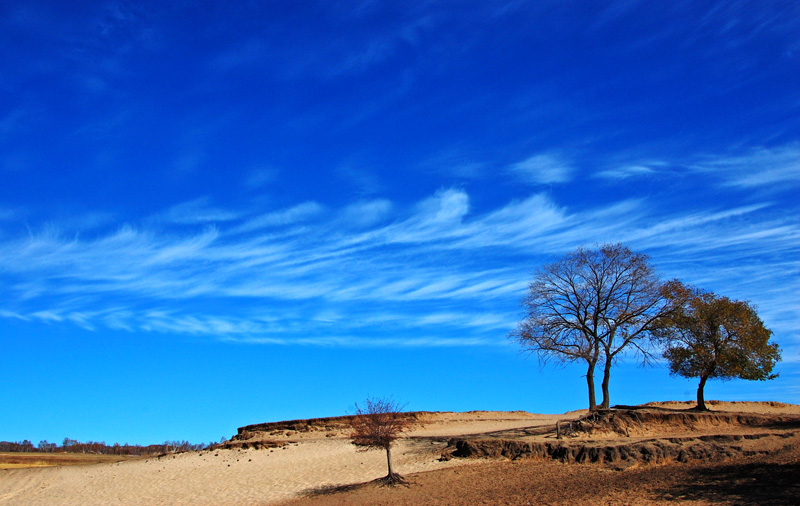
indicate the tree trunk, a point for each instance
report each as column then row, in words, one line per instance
column 701, row 402
column 392, row 478
column 590, row 383
column 606, row 379
column 389, row 462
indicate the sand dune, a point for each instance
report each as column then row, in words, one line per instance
column 310, row 460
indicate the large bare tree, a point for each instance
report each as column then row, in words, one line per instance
column 711, row 336
column 377, row 425
column 590, row 306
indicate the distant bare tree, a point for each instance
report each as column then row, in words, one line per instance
column 378, row 425
column 591, row 305
column 46, row 447
column 177, row 446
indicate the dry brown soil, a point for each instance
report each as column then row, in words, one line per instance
column 15, row 460
column 764, row 480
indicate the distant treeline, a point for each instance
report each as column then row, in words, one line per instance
column 100, row 447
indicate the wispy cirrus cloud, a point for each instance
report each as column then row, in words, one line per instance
column 260, row 177
column 543, row 169
column 630, row 171
column 455, row 161
column 284, row 217
column 777, row 167
column 330, row 50
column 8, row 214
column 366, row 213
column 440, row 267
column 197, row 211
column 758, row 167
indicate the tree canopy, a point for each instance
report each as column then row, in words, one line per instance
column 377, row 425
column 591, row 305
column 711, row 336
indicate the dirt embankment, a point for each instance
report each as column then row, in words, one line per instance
column 307, row 425
column 766, row 407
column 634, row 421
column 314, row 424
column 277, row 434
column 624, row 437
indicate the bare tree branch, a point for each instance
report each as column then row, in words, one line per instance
column 376, row 426
column 590, row 306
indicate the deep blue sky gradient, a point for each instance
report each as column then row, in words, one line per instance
column 213, row 215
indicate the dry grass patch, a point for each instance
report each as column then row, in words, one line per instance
column 14, row 460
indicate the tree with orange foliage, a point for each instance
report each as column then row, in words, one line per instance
column 711, row 336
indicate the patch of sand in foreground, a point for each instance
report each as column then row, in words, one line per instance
column 251, row 476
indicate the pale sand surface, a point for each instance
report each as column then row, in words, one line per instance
column 316, row 459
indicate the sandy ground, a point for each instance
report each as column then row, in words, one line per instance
column 320, row 460
column 310, row 461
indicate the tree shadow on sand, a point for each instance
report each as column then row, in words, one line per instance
column 332, row 489
column 326, row 490
column 765, row 484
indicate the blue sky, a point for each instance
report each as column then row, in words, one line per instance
column 214, row 215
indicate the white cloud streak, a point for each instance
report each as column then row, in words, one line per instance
column 290, row 216
column 777, row 168
column 373, row 272
column 622, row 172
column 366, row 214
column 774, row 169
column 197, row 211
column 542, row 169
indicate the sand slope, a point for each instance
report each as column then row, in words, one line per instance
column 311, row 460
